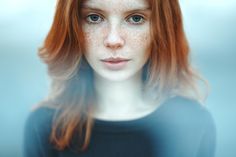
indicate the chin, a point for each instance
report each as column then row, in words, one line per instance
column 116, row 76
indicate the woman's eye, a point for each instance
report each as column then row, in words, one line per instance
column 93, row 18
column 136, row 19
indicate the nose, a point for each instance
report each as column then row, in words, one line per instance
column 113, row 39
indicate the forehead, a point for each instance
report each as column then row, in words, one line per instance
column 116, row 5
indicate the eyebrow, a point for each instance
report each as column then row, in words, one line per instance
column 131, row 10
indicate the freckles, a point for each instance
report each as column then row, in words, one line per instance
column 95, row 36
column 89, row 32
column 138, row 38
column 91, row 38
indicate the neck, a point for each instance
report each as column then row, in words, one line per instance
column 118, row 98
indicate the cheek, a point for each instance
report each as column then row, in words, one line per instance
column 138, row 35
column 139, row 41
column 92, row 38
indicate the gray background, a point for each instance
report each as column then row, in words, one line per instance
column 210, row 27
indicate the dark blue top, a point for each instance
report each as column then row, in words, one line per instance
column 178, row 128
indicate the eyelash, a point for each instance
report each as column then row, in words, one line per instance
column 101, row 19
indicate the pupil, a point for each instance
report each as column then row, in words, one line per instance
column 94, row 17
column 136, row 18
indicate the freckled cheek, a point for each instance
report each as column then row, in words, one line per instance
column 90, row 40
column 93, row 38
column 139, row 41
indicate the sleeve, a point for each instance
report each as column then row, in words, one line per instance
column 36, row 135
column 208, row 142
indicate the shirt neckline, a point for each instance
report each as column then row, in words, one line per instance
column 128, row 125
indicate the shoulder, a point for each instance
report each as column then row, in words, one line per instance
column 188, row 111
column 185, row 106
column 40, row 120
column 41, row 114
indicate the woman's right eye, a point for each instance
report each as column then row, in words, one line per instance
column 93, row 19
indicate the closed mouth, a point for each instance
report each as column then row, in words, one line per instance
column 115, row 60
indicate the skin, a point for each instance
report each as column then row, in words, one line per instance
column 118, row 29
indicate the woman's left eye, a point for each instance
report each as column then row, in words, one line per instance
column 136, row 19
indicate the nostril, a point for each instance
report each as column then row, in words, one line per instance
column 113, row 45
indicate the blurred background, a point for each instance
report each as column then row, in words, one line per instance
column 210, row 27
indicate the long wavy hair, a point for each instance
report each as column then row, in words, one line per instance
column 167, row 72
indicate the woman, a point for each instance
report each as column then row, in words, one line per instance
column 122, row 84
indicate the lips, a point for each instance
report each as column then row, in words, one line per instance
column 115, row 63
column 115, row 60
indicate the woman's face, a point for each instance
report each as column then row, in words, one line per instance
column 117, row 35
